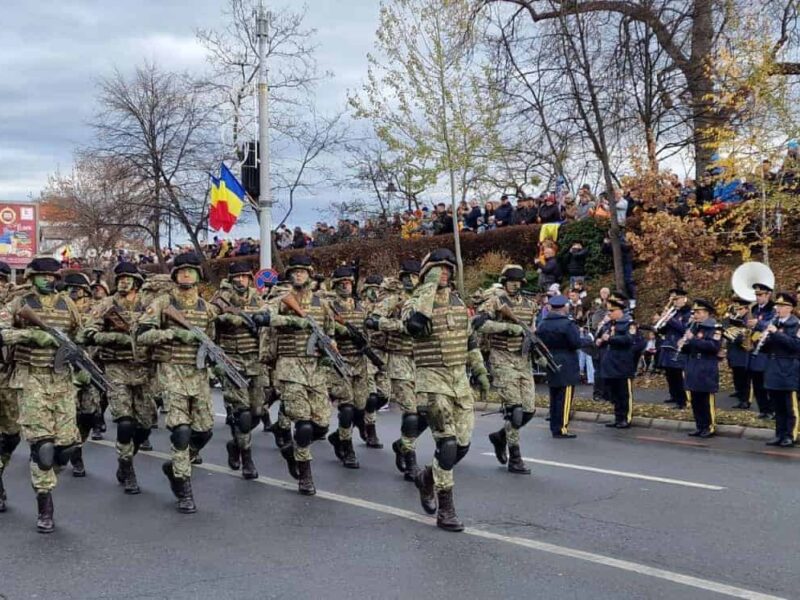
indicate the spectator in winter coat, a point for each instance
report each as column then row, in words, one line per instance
column 526, row 212
column 471, row 218
column 576, row 263
column 504, row 215
column 549, row 212
column 299, row 239
column 586, row 204
column 549, row 271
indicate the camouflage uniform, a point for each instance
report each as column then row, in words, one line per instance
column 300, row 376
column 9, row 403
column 443, row 347
column 512, row 373
column 48, row 406
column 186, row 389
column 154, row 286
column 127, row 366
column 282, row 428
column 242, row 346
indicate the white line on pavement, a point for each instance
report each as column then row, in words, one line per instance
column 551, row 463
column 599, row 559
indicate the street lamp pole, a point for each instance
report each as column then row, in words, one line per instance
column 265, row 191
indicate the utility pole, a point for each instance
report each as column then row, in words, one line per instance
column 265, row 192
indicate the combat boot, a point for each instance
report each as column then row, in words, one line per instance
column 336, row 442
column 411, row 466
column 248, row 466
column 234, row 461
column 2, row 493
column 194, row 456
column 282, row 436
column 349, row 459
column 186, row 503
column 173, row 482
column 78, row 468
column 515, row 462
column 287, row 452
column 44, row 520
column 305, row 484
column 498, row 440
column 146, row 445
column 131, row 486
column 372, row 436
column 446, row 517
column 424, row 483
column 399, row 456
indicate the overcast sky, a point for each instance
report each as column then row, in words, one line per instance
column 53, row 51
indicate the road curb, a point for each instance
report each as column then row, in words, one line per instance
column 732, row 431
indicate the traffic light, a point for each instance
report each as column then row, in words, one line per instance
column 250, row 170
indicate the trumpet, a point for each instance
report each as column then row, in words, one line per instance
column 669, row 311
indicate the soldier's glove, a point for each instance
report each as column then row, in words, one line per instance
column 81, row 378
column 483, row 382
column 231, row 319
column 514, row 330
column 184, row 336
column 111, row 338
column 298, row 322
column 43, row 339
column 372, row 323
column 12, row 337
column 433, row 275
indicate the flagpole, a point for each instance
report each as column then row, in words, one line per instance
column 265, row 191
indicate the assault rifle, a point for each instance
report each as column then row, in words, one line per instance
column 318, row 339
column 359, row 340
column 209, row 351
column 68, row 351
column 532, row 343
column 226, row 307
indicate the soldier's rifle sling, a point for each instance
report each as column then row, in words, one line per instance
column 532, row 341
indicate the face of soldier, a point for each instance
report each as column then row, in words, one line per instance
column 299, row 278
column 680, row 301
column 46, row 284
column 187, row 278
column 99, row 292
column 444, row 277
column 344, row 288
column 75, row 292
column 699, row 315
column 783, row 311
column 124, row 284
column 615, row 314
column 762, row 297
column 513, row 287
column 241, row 282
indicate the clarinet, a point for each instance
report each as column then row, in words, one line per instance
column 682, row 342
column 776, row 321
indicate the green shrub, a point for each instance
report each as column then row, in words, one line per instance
column 590, row 233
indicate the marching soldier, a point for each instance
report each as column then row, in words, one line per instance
column 671, row 361
column 48, row 406
column 112, row 323
column 701, row 345
column 99, row 290
column 618, row 362
column 400, row 367
column 782, row 374
column 300, row 376
column 9, row 402
column 443, row 347
column 186, row 389
column 512, row 371
column 562, row 336
column 762, row 314
column 736, row 353
column 372, row 293
column 237, row 327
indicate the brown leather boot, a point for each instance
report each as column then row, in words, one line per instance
column 78, row 468
column 424, row 483
column 349, row 459
column 372, row 436
column 446, row 517
column 248, row 466
column 234, row 459
column 128, row 477
column 515, row 462
column 287, row 452
column 305, row 484
column 44, row 520
column 336, row 442
column 411, row 465
column 186, row 503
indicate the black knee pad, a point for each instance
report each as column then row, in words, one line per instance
column 140, row 435
column 63, row 454
column 180, row 437
column 199, row 439
column 514, row 415
column 9, row 443
column 461, row 452
column 409, row 426
column 125, row 430
column 446, row 452
column 244, row 421
column 303, row 433
column 526, row 418
column 422, row 421
column 346, row 416
column 375, row 401
column 319, row 431
column 43, row 453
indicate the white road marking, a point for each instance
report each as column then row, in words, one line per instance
column 591, row 557
column 551, row 463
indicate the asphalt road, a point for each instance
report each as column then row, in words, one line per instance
column 660, row 516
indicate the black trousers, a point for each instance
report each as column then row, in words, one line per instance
column 741, row 383
column 560, row 406
column 599, row 382
column 704, row 407
column 675, row 384
column 759, row 393
column 621, row 394
column 784, row 402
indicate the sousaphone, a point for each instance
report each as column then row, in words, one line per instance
column 749, row 274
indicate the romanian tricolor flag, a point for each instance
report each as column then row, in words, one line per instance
column 227, row 200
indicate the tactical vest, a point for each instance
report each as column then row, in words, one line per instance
column 176, row 352
column 523, row 311
column 398, row 342
column 58, row 316
column 447, row 344
column 377, row 339
column 237, row 340
column 353, row 315
column 293, row 342
column 109, row 354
